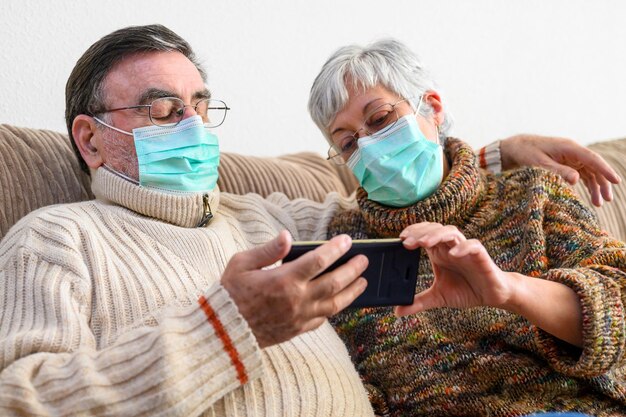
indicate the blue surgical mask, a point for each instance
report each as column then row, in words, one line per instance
column 184, row 157
column 398, row 167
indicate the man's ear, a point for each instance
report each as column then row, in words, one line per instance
column 87, row 138
column 432, row 97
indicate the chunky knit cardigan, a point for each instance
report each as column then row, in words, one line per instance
column 486, row 361
column 114, row 307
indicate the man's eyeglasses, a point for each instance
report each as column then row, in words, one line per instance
column 378, row 121
column 170, row 111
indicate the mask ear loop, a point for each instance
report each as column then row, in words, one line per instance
column 419, row 105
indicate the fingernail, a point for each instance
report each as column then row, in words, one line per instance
column 345, row 242
column 363, row 284
column 409, row 241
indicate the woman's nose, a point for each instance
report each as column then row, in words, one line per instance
column 361, row 133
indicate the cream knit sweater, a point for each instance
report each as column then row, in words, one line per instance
column 114, row 307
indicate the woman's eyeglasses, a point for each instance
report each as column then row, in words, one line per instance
column 378, row 121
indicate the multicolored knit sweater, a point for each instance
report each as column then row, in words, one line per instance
column 485, row 361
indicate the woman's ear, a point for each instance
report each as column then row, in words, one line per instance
column 434, row 100
column 87, row 137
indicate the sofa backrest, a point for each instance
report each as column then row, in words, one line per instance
column 612, row 216
column 38, row 168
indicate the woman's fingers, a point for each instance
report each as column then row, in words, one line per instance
column 428, row 235
column 423, row 301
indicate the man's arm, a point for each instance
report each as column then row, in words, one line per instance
column 559, row 155
column 51, row 364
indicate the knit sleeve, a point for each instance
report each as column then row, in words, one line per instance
column 51, row 363
column 593, row 265
column 309, row 220
column 489, row 157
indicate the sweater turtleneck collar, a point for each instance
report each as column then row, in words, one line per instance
column 459, row 195
column 178, row 208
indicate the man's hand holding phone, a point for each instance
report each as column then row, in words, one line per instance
column 391, row 273
column 295, row 297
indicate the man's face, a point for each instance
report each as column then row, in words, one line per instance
column 139, row 79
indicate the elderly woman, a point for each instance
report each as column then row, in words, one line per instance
column 520, row 304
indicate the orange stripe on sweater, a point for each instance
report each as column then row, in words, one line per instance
column 481, row 158
column 225, row 338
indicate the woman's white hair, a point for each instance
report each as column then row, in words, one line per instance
column 387, row 62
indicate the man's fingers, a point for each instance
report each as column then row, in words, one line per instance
column 265, row 255
column 332, row 283
column 314, row 262
column 599, row 188
column 606, row 189
column 569, row 174
column 593, row 162
column 341, row 300
column 592, row 185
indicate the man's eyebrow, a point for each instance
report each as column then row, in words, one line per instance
column 152, row 94
column 199, row 95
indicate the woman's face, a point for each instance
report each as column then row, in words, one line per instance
column 368, row 111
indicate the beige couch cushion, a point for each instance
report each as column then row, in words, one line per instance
column 612, row 216
column 38, row 168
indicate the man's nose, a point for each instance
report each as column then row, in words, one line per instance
column 189, row 111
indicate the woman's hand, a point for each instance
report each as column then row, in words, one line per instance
column 562, row 156
column 465, row 274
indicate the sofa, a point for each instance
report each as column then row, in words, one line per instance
column 38, row 168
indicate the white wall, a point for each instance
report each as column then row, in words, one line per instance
column 553, row 67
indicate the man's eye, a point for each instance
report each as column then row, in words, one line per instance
column 164, row 109
column 162, row 116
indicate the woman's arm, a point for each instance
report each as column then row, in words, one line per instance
column 466, row 276
column 576, row 294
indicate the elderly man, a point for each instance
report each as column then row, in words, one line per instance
column 162, row 296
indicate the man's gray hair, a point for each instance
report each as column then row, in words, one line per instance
column 387, row 62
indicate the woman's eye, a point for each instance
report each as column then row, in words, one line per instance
column 379, row 120
column 348, row 144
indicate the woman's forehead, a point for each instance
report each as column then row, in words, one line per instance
column 360, row 102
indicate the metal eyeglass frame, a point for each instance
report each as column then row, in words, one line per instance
column 195, row 106
column 334, row 154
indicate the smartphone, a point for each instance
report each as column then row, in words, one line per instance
column 391, row 273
